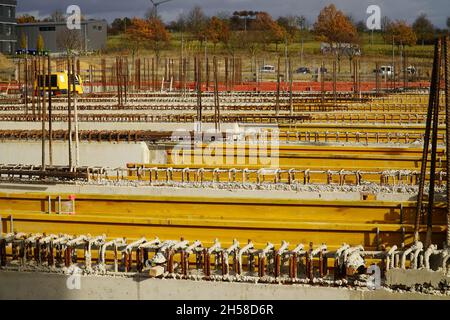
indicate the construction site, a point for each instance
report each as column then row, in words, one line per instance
column 202, row 177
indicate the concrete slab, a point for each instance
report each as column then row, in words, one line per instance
column 21, row 285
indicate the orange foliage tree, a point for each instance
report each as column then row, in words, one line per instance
column 269, row 30
column 26, row 18
column 149, row 33
column 217, row 31
column 334, row 28
column 399, row 32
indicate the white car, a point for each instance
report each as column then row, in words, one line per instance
column 385, row 71
column 267, row 69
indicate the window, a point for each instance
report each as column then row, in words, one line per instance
column 47, row 28
column 9, row 12
column 8, row 30
column 99, row 28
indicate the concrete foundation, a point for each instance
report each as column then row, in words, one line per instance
column 106, row 154
column 21, row 285
column 195, row 192
column 409, row 278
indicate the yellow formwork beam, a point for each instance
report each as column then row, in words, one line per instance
column 262, row 220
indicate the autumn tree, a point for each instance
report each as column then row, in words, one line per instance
column 290, row 24
column 448, row 23
column 217, row 31
column 26, row 18
column 160, row 37
column 424, row 29
column 268, row 30
column 40, row 43
column 400, row 33
column 24, row 41
column 334, row 28
column 149, row 33
column 119, row 26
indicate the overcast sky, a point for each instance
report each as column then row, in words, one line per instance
column 437, row 10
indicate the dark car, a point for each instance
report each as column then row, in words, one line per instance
column 303, row 70
column 321, row 70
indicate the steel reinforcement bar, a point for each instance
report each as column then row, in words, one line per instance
column 291, row 136
column 207, row 176
column 286, row 263
column 374, row 118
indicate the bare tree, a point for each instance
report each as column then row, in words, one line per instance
column 57, row 16
column 196, row 23
column 69, row 40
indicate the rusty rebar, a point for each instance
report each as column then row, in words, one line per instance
column 277, row 103
column 69, row 112
column 447, row 122
column 50, row 124
column 433, row 157
column 42, row 81
column 431, row 102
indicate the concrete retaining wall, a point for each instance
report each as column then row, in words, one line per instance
column 105, row 154
column 20, row 285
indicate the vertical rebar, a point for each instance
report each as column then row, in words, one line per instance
column 291, row 80
column 277, row 105
column 43, row 83
column 447, row 122
column 50, row 122
column 426, row 143
column 75, row 113
column 33, row 81
column 322, row 85
column 104, row 75
column 433, row 160
column 334, row 84
column 226, row 73
column 377, row 79
column 26, row 84
column 199, row 93
column 69, row 112
column 216, row 96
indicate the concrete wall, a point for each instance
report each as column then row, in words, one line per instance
column 20, row 285
column 91, row 153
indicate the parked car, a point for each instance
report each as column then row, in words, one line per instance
column 267, row 69
column 321, row 69
column 411, row 70
column 385, row 71
column 303, row 70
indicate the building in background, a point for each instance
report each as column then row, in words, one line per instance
column 8, row 38
column 57, row 37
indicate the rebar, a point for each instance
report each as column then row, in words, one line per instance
column 433, row 91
